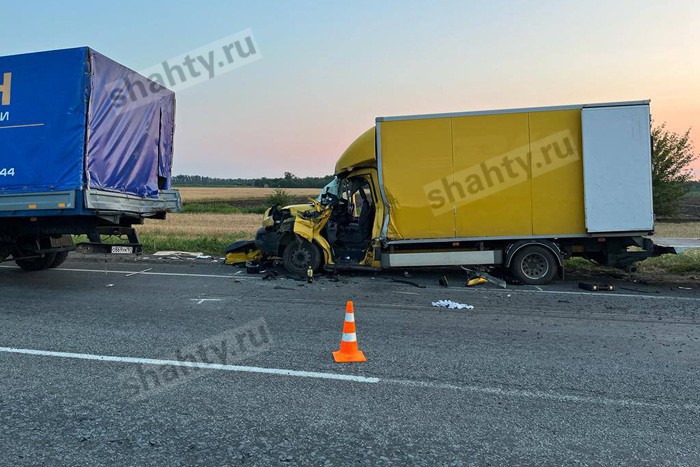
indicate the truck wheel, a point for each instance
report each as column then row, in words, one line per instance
column 299, row 254
column 61, row 257
column 36, row 264
column 534, row 265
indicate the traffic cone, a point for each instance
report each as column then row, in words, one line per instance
column 348, row 345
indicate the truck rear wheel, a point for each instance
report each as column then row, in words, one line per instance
column 533, row 265
column 61, row 257
column 299, row 255
column 36, row 264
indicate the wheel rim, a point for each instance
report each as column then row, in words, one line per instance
column 300, row 257
column 535, row 266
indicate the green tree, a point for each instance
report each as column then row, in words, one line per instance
column 671, row 154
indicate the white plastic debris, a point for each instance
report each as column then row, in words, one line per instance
column 452, row 305
column 177, row 254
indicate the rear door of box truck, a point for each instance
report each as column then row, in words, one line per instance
column 617, row 168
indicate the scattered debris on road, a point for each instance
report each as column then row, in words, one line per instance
column 476, row 281
column 452, row 305
column 596, row 287
column 178, row 254
column 241, row 252
column 414, row 284
column 480, row 277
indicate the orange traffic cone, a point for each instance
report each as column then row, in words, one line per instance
column 348, row 345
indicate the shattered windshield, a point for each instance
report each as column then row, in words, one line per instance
column 333, row 187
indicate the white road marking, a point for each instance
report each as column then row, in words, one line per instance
column 137, row 272
column 494, row 391
column 607, row 294
column 539, row 288
column 547, row 395
column 210, row 366
column 172, row 274
column 202, row 300
column 406, row 293
column 565, row 292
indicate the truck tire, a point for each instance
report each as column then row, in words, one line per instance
column 61, row 257
column 36, row 264
column 299, row 255
column 533, row 265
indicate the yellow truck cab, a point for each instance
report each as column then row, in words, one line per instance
column 519, row 188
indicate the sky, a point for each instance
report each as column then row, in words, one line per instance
column 328, row 68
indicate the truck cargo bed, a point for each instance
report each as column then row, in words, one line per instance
column 74, row 122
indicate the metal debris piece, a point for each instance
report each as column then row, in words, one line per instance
column 483, row 275
column 596, row 287
column 414, row 284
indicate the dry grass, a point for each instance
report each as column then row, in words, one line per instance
column 202, row 225
column 677, row 230
column 190, row 194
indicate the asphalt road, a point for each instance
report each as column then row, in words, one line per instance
column 92, row 372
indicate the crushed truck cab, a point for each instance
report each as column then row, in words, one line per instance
column 520, row 188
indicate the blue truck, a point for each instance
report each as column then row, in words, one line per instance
column 86, row 148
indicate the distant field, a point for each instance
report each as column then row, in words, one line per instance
column 690, row 205
column 678, row 230
column 190, row 194
column 200, row 232
column 210, row 225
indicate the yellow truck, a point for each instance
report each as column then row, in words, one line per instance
column 519, row 188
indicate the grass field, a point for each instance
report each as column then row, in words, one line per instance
column 192, row 194
column 678, row 230
column 202, row 232
column 212, row 218
column 690, row 205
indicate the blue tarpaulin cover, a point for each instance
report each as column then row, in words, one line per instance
column 78, row 120
column 42, row 121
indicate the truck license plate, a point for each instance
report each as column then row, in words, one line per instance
column 123, row 250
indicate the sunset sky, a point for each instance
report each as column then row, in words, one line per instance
column 328, row 68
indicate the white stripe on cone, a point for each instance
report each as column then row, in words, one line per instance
column 349, row 337
column 349, row 317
